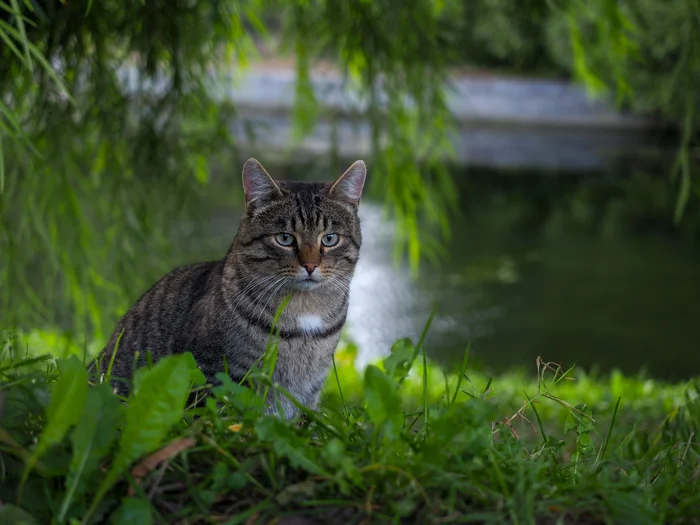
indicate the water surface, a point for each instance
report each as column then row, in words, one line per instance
column 535, row 267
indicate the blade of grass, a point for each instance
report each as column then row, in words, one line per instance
column 462, row 369
column 487, row 387
column 425, row 389
column 25, row 362
column 340, row 391
column 273, row 343
column 423, row 334
column 14, row 128
column 604, row 446
column 108, row 375
column 539, row 420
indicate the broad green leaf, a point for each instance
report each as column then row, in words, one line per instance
column 585, row 444
column 132, row 511
column 382, row 399
column 571, row 424
column 286, row 443
column 240, row 397
column 399, row 362
column 92, row 439
column 580, row 421
column 341, row 463
column 14, row 515
column 154, row 408
column 555, row 445
column 66, row 405
column 236, row 481
column 196, row 375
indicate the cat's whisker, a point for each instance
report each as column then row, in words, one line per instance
column 264, row 293
column 344, row 290
column 274, row 292
column 256, row 283
column 264, row 284
column 235, row 301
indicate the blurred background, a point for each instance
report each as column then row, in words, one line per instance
column 533, row 166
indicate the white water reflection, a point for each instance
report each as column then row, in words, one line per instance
column 381, row 297
column 386, row 304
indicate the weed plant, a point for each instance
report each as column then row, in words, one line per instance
column 400, row 442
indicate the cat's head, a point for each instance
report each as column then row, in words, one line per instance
column 307, row 234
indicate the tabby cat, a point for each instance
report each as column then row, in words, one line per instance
column 298, row 239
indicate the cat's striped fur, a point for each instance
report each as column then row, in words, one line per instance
column 225, row 309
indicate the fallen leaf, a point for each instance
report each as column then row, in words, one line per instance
column 151, row 462
column 305, row 489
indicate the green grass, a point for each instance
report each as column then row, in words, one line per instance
column 399, row 442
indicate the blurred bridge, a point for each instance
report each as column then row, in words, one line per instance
column 503, row 122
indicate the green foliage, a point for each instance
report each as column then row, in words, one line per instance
column 647, row 53
column 133, row 510
column 286, row 443
column 504, row 35
column 383, row 402
column 88, row 177
column 476, row 462
column 643, row 53
column 16, row 515
column 84, row 147
column 101, row 428
column 79, row 224
column 92, row 439
column 398, row 363
column 70, row 391
column 153, row 410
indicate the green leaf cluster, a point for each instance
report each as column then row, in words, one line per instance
column 503, row 450
column 85, row 437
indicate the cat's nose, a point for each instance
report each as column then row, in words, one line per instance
column 310, row 267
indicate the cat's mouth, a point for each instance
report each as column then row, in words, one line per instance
column 307, row 284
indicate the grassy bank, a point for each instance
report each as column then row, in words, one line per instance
column 400, row 442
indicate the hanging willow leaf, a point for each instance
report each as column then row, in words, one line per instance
column 22, row 31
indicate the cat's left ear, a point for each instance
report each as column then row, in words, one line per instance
column 257, row 182
column 349, row 185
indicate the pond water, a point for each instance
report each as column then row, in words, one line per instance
column 561, row 268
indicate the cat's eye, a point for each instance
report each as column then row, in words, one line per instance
column 284, row 239
column 330, row 239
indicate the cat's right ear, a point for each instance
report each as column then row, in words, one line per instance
column 257, row 183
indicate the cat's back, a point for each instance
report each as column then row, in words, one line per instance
column 160, row 319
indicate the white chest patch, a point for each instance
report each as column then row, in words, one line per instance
column 309, row 323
